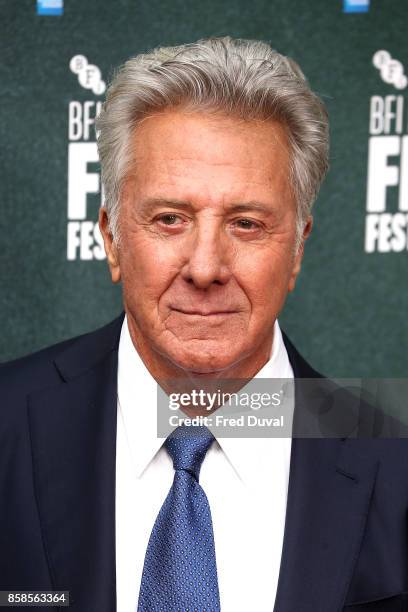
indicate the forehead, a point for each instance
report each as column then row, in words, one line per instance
column 212, row 154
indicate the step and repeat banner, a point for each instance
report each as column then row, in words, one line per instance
column 348, row 314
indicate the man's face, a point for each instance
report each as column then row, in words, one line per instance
column 207, row 226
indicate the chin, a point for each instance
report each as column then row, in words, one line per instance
column 209, row 358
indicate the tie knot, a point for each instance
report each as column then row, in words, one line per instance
column 187, row 446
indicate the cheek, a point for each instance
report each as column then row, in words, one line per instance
column 265, row 278
column 148, row 267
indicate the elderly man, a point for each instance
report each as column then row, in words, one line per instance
column 212, row 154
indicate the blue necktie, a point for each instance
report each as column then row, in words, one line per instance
column 180, row 571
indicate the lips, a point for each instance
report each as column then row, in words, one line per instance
column 204, row 313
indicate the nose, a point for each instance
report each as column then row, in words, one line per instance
column 208, row 258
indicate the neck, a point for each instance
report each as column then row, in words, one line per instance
column 173, row 378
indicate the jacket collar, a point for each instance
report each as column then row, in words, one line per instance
column 73, row 439
column 330, row 489
column 85, row 352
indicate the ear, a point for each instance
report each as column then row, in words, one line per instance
column 111, row 249
column 299, row 254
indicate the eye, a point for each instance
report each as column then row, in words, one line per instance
column 246, row 224
column 169, row 219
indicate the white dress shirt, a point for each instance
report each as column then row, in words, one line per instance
column 245, row 480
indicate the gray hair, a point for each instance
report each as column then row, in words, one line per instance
column 243, row 78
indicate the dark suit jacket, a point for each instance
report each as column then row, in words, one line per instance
column 346, row 537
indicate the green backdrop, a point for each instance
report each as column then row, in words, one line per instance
column 348, row 313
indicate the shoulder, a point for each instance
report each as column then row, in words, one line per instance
column 23, row 379
column 30, row 371
column 40, row 369
column 301, row 368
column 361, row 408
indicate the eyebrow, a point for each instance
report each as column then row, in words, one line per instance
column 156, row 202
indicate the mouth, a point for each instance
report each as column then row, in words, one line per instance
column 204, row 313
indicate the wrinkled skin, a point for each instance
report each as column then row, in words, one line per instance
column 206, row 254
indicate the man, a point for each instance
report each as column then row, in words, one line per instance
column 212, row 155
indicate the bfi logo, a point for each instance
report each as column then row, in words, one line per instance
column 356, row 6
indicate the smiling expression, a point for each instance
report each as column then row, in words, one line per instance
column 207, row 242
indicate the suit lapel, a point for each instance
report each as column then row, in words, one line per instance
column 330, row 488
column 73, row 438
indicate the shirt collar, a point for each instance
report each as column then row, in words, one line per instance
column 137, row 403
column 247, row 454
